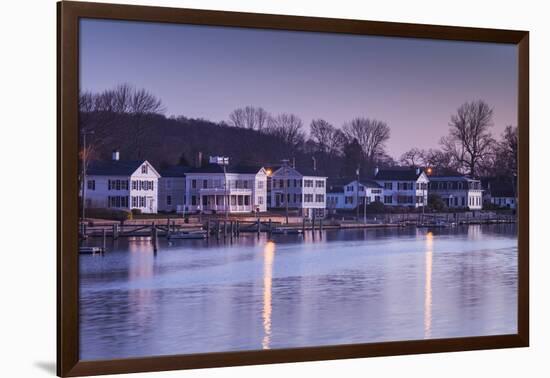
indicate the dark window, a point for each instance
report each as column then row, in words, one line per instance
column 91, row 184
column 168, row 200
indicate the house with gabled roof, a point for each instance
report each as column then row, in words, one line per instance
column 121, row 184
column 235, row 189
column 347, row 194
column 403, row 186
column 458, row 191
column 500, row 191
column 302, row 189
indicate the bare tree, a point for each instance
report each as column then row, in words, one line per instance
column 371, row 134
column 415, row 157
column 441, row 162
column 287, row 127
column 326, row 137
column 249, row 117
column 470, row 139
column 321, row 133
column 506, row 153
column 237, row 118
column 107, row 106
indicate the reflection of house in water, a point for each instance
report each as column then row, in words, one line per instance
column 428, row 286
column 140, row 271
column 269, row 256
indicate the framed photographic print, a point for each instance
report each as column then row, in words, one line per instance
column 240, row 188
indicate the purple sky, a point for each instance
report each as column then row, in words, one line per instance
column 205, row 72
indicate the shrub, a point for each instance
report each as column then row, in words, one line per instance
column 136, row 211
column 491, row 206
column 376, row 207
column 111, row 214
column 436, row 203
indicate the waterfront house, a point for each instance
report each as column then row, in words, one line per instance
column 458, row 191
column 335, row 195
column 403, row 186
column 499, row 191
column 171, row 188
column 121, row 184
column 235, row 189
column 303, row 190
column 346, row 195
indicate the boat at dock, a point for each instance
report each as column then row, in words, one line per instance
column 286, row 231
column 196, row 234
column 437, row 224
column 90, row 250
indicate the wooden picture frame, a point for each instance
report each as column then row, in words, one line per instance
column 69, row 13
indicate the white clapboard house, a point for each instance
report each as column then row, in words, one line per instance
column 303, row 189
column 347, row 195
column 237, row 189
column 458, row 191
column 172, row 189
column 403, row 186
column 121, row 184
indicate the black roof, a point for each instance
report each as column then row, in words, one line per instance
column 335, row 184
column 113, row 167
column 216, row 168
column 498, row 186
column 405, row 174
column 335, row 189
column 452, row 178
column 174, row 171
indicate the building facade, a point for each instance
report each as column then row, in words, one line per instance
column 120, row 184
column 211, row 189
column 458, row 191
column 352, row 194
column 300, row 190
column 403, row 186
column 171, row 188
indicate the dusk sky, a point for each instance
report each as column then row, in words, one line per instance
column 206, row 72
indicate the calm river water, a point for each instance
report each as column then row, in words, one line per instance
column 335, row 287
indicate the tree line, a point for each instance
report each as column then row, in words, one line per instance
column 133, row 120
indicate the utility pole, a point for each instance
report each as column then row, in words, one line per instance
column 224, row 162
column 365, row 208
column 84, row 168
column 357, row 195
column 285, row 185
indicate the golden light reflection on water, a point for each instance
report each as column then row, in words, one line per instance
column 428, row 287
column 269, row 255
column 140, row 268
